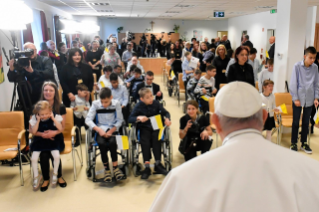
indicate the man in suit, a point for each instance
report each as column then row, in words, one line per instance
column 207, row 43
column 149, row 78
column 271, row 51
column 246, row 41
column 217, row 41
column 226, row 42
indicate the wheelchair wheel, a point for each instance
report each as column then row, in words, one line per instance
column 170, row 91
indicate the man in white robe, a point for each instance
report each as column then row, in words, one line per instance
column 248, row 173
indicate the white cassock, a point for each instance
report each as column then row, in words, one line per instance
column 247, row 174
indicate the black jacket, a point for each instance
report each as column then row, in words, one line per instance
column 248, row 43
column 141, row 109
column 271, row 52
column 69, row 79
column 221, row 66
column 42, row 71
column 156, row 88
column 241, row 73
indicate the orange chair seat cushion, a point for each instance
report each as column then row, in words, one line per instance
column 68, row 147
column 9, row 154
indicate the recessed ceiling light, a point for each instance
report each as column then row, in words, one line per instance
column 172, row 12
column 99, row 4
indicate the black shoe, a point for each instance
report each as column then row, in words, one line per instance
column 146, row 173
column 62, row 185
column 159, row 169
column 43, row 189
column 306, row 148
column 294, row 147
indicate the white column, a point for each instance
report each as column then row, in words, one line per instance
column 311, row 26
column 290, row 39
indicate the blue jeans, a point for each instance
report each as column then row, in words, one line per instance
column 295, row 123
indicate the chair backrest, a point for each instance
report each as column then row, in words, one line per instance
column 60, row 92
column 11, row 124
column 256, row 85
column 203, row 74
column 221, row 85
column 69, row 124
column 181, row 82
column 93, row 91
column 284, row 98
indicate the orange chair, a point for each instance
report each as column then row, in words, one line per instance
column 94, row 93
column 12, row 133
column 211, row 102
column 69, row 140
column 181, row 87
column 222, row 85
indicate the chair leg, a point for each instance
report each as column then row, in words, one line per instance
column 81, row 151
column 281, row 129
column 73, row 157
column 20, row 164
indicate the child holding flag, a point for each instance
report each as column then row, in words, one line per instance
column 144, row 113
column 106, row 127
column 269, row 104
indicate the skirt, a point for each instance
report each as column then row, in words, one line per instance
column 40, row 144
column 270, row 123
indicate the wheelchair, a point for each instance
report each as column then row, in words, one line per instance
column 92, row 152
column 167, row 149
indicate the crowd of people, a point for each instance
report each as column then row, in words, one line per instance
column 71, row 70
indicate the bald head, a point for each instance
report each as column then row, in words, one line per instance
column 272, row 39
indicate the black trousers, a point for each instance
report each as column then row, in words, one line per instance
column 295, row 123
column 79, row 122
column 45, row 165
column 149, row 139
column 125, row 112
column 202, row 146
column 204, row 105
column 106, row 144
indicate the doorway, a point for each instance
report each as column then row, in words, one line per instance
column 222, row 33
column 270, row 33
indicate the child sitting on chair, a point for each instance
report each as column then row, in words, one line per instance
column 191, row 85
column 141, row 113
column 206, row 87
column 269, row 102
column 80, row 107
column 42, row 120
column 134, row 81
column 106, row 127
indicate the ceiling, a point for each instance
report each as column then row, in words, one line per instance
column 165, row 9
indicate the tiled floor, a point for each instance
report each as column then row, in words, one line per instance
column 132, row 195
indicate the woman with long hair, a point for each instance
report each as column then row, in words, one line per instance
column 220, row 62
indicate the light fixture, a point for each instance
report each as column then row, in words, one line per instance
column 14, row 15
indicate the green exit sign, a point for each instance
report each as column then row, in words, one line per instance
column 273, row 11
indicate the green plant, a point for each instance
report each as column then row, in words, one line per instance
column 147, row 30
column 119, row 29
column 183, row 38
column 176, row 28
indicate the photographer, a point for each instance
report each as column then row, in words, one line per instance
column 194, row 132
column 40, row 69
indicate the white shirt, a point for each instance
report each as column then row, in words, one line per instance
column 247, row 174
column 138, row 66
column 106, row 82
column 79, row 102
column 270, row 103
column 264, row 75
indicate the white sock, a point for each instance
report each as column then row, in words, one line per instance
column 56, row 162
column 268, row 135
column 34, row 163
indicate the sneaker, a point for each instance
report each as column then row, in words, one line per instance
column 306, row 148
column 159, row 169
column 107, row 176
column 146, row 173
column 294, row 147
column 118, row 174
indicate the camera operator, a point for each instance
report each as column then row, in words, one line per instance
column 194, row 132
column 40, row 69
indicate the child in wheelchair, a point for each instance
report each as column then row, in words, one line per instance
column 133, row 82
column 107, row 124
column 143, row 110
column 191, row 85
column 205, row 88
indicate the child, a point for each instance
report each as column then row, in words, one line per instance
column 188, row 71
column 304, row 89
column 266, row 74
column 42, row 120
column 270, row 104
column 130, row 72
column 144, row 109
column 104, row 80
column 118, row 71
column 134, row 81
column 155, row 88
column 191, row 85
column 119, row 93
column 206, row 87
column 79, row 116
column 107, row 125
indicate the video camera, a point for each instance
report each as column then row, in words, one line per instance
column 21, row 58
column 130, row 36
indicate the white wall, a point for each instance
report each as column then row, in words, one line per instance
column 6, row 88
column 209, row 28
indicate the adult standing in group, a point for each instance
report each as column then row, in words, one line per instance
column 271, row 51
column 128, row 54
column 188, row 71
column 178, row 50
column 257, row 67
column 220, row 62
column 93, row 58
column 217, row 41
column 54, row 55
column 111, row 58
column 50, row 93
column 226, row 42
column 207, row 43
column 241, row 70
column 73, row 73
column 194, row 41
column 170, row 51
column 247, row 173
column 246, row 42
column 62, row 50
column 194, row 128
